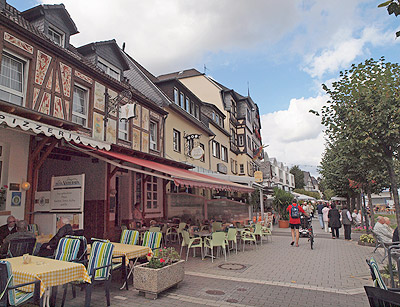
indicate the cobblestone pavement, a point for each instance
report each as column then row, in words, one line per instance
column 274, row 274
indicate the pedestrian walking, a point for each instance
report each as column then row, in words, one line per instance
column 320, row 206
column 346, row 221
column 325, row 212
column 334, row 221
column 294, row 220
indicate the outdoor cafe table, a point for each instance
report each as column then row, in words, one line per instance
column 49, row 271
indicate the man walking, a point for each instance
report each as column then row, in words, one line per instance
column 294, row 220
column 320, row 206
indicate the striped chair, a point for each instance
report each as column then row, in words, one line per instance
column 13, row 296
column 67, row 249
column 129, row 236
column 34, row 228
column 82, row 253
column 99, row 269
column 152, row 239
column 375, row 274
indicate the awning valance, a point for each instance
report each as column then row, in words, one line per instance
column 27, row 124
column 180, row 176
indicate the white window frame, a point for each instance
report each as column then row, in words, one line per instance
column 109, row 68
column 123, row 128
column 57, row 31
column 187, row 104
column 153, row 135
column 25, row 69
column 176, row 96
column 86, row 106
column 176, row 140
column 216, row 151
column 224, row 153
column 241, row 168
column 181, row 100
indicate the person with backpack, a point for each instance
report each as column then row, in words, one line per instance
column 294, row 220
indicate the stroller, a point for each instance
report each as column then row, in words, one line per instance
column 306, row 229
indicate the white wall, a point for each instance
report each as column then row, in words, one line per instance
column 15, row 164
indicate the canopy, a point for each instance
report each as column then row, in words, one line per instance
column 180, row 176
column 302, row 196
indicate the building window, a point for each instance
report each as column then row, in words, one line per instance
column 224, row 153
column 152, row 195
column 176, row 96
column 181, row 100
column 248, row 115
column 233, row 136
column 197, row 112
column 215, row 149
column 203, row 158
column 109, row 69
column 233, row 166
column 241, row 139
column 176, row 140
column 80, row 106
column 249, row 142
column 192, row 108
column 56, row 36
column 12, row 79
column 153, row 135
column 187, row 105
column 123, row 127
column 241, row 168
column 233, row 110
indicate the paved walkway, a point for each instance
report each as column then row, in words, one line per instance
column 274, row 274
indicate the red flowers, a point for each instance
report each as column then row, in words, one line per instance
column 162, row 260
column 149, row 255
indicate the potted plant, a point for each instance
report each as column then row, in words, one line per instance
column 367, row 240
column 164, row 270
column 282, row 200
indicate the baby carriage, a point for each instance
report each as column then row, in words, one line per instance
column 306, row 229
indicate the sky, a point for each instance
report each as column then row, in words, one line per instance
column 280, row 52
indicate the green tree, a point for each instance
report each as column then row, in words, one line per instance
column 393, row 7
column 298, row 177
column 364, row 113
column 282, row 200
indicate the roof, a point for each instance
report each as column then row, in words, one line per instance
column 40, row 10
column 180, row 74
column 91, row 48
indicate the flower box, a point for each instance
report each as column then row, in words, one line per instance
column 366, row 243
column 153, row 281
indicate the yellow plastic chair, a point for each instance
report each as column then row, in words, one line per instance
column 191, row 243
column 179, row 230
column 217, row 240
column 231, row 236
column 155, row 229
column 248, row 236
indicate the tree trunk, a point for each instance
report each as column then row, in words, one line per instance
column 371, row 207
column 393, row 186
column 365, row 212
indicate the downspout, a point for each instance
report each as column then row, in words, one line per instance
column 209, row 151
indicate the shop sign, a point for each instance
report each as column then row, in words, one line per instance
column 258, row 176
column 197, row 153
column 221, row 168
column 67, row 192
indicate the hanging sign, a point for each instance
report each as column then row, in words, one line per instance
column 258, row 176
column 67, row 192
column 128, row 111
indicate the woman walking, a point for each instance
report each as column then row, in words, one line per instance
column 346, row 221
column 325, row 218
column 334, row 221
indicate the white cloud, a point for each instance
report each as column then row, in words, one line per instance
column 295, row 135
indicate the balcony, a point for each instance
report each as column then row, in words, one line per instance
column 233, row 119
column 234, row 148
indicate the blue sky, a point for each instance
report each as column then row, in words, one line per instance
column 284, row 50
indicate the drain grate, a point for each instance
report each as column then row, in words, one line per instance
column 232, row 300
column 215, row 292
column 232, row 266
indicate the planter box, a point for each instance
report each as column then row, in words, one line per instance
column 153, row 281
column 366, row 244
column 283, row 224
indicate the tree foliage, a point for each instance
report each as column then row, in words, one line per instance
column 393, row 7
column 282, row 200
column 362, row 120
column 298, row 177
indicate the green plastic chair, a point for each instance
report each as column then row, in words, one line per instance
column 231, row 236
column 217, row 240
column 267, row 232
column 179, row 230
column 152, row 239
column 216, row 226
column 248, row 236
column 376, row 275
column 129, row 236
column 191, row 243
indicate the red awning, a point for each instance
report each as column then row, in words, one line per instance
column 180, row 176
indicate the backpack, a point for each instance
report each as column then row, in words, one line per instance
column 294, row 211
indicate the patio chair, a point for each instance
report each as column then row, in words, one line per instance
column 99, row 267
column 67, row 249
column 82, row 252
column 191, row 243
column 154, row 229
column 216, row 226
column 231, row 236
column 9, row 294
column 179, row 230
column 129, row 237
column 385, row 245
column 33, row 228
column 21, row 246
column 267, row 231
column 217, row 240
column 377, row 277
column 378, row 297
column 248, row 236
column 152, row 239
column 258, row 232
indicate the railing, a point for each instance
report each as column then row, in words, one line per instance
column 234, row 148
column 233, row 119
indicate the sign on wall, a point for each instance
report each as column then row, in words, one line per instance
column 67, row 192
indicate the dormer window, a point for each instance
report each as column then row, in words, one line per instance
column 56, row 36
column 109, row 69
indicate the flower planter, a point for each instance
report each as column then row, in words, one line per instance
column 283, row 224
column 366, row 243
column 151, row 282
